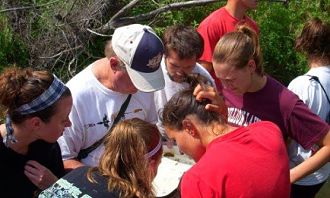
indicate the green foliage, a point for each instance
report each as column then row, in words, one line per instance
column 279, row 25
column 12, row 49
column 192, row 16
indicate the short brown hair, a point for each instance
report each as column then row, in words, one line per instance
column 108, row 51
column 184, row 40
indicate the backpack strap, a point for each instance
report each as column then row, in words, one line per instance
column 83, row 153
column 318, row 81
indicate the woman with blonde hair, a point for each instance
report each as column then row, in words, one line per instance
column 36, row 106
column 127, row 167
column 253, row 96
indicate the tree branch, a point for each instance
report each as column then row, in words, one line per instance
column 116, row 21
column 28, row 7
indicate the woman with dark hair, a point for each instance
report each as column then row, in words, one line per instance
column 36, row 105
column 128, row 165
column 314, row 89
column 231, row 161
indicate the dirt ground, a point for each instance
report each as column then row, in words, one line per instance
column 325, row 191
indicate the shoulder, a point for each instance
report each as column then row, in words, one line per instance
column 65, row 186
column 143, row 95
column 265, row 125
column 252, row 24
column 304, row 87
column 45, row 146
column 81, row 81
column 285, row 96
column 201, row 70
column 299, row 82
column 214, row 18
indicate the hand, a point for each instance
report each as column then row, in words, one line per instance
column 217, row 101
column 39, row 175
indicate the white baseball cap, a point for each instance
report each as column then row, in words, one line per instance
column 141, row 50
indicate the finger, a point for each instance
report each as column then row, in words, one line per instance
column 211, row 107
column 36, row 167
column 206, row 94
column 35, row 179
column 31, row 169
column 197, row 89
column 222, row 110
column 34, row 164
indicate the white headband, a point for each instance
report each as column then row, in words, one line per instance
column 155, row 150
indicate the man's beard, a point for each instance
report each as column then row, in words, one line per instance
column 182, row 78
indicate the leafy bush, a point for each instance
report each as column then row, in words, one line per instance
column 12, row 50
column 279, row 25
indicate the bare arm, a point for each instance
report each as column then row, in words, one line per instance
column 71, row 164
column 316, row 161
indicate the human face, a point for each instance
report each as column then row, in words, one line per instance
column 187, row 143
column 178, row 68
column 238, row 81
column 249, row 4
column 53, row 129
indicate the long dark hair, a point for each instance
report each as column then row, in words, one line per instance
column 184, row 103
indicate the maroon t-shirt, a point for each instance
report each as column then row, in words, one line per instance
column 275, row 103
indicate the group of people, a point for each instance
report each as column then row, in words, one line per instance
column 100, row 134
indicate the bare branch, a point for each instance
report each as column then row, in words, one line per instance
column 28, row 7
column 60, row 53
column 98, row 34
column 124, row 9
column 115, row 21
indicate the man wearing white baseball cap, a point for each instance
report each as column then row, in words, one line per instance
column 110, row 89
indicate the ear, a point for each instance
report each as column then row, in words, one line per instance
column 36, row 123
column 189, row 127
column 252, row 65
column 114, row 63
column 152, row 163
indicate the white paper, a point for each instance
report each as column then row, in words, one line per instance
column 170, row 172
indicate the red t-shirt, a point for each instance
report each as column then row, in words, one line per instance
column 213, row 27
column 249, row 162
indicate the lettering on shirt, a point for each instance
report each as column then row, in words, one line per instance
column 240, row 117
